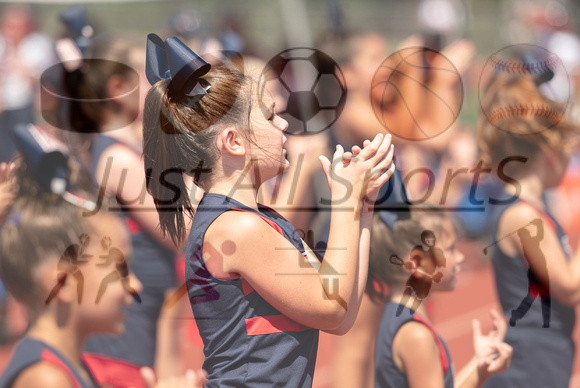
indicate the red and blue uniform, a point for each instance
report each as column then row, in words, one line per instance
column 542, row 357
column 387, row 374
column 101, row 370
column 247, row 342
column 30, row 351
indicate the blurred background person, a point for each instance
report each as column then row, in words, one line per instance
column 106, row 97
column 541, row 264
column 24, row 54
column 188, row 25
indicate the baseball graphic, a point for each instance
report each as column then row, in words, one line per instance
column 543, row 71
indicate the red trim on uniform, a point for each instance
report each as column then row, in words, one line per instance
column 537, row 289
column 51, row 358
column 442, row 354
column 114, row 372
column 247, row 288
column 180, row 267
column 272, row 324
column 193, row 333
column 268, row 221
column 272, row 211
column 132, row 225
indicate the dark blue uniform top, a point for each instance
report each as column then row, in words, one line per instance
column 29, row 352
column 387, row 375
column 247, row 342
column 154, row 266
column 542, row 357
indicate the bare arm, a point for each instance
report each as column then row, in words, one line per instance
column 366, row 221
column 277, row 270
column 416, row 354
column 42, row 375
column 362, row 273
column 353, row 359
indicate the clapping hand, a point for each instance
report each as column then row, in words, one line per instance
column 492, row 354
column 367, row 169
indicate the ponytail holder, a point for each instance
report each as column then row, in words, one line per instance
column 173, row 60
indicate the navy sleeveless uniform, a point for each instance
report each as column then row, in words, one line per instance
column 387, row 375
column 542, row 357
column 154, row 266
column 247, row 342
column 30, row 351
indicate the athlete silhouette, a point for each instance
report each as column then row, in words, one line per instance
column 531, row 247
column 68, row 264
column 121, row 271
column 424, row 261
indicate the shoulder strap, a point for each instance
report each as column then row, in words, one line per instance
column 442, row 353
column 114, row 372
column 53, row 359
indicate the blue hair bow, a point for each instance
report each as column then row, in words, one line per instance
column 173, row 60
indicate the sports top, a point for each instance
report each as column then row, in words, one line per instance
column 247, row 342
column 387, row 374
column 542, row 357
column 31, row 351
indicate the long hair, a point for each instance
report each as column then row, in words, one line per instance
column 179, row 137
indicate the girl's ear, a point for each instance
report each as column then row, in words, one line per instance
column 232, row 142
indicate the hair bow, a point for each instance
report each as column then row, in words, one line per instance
column 173, row 60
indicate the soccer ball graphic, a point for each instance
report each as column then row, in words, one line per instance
column 308, row 87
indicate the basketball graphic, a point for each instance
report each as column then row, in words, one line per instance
column 410, row 95
column 543, row 70
column 310, row 86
